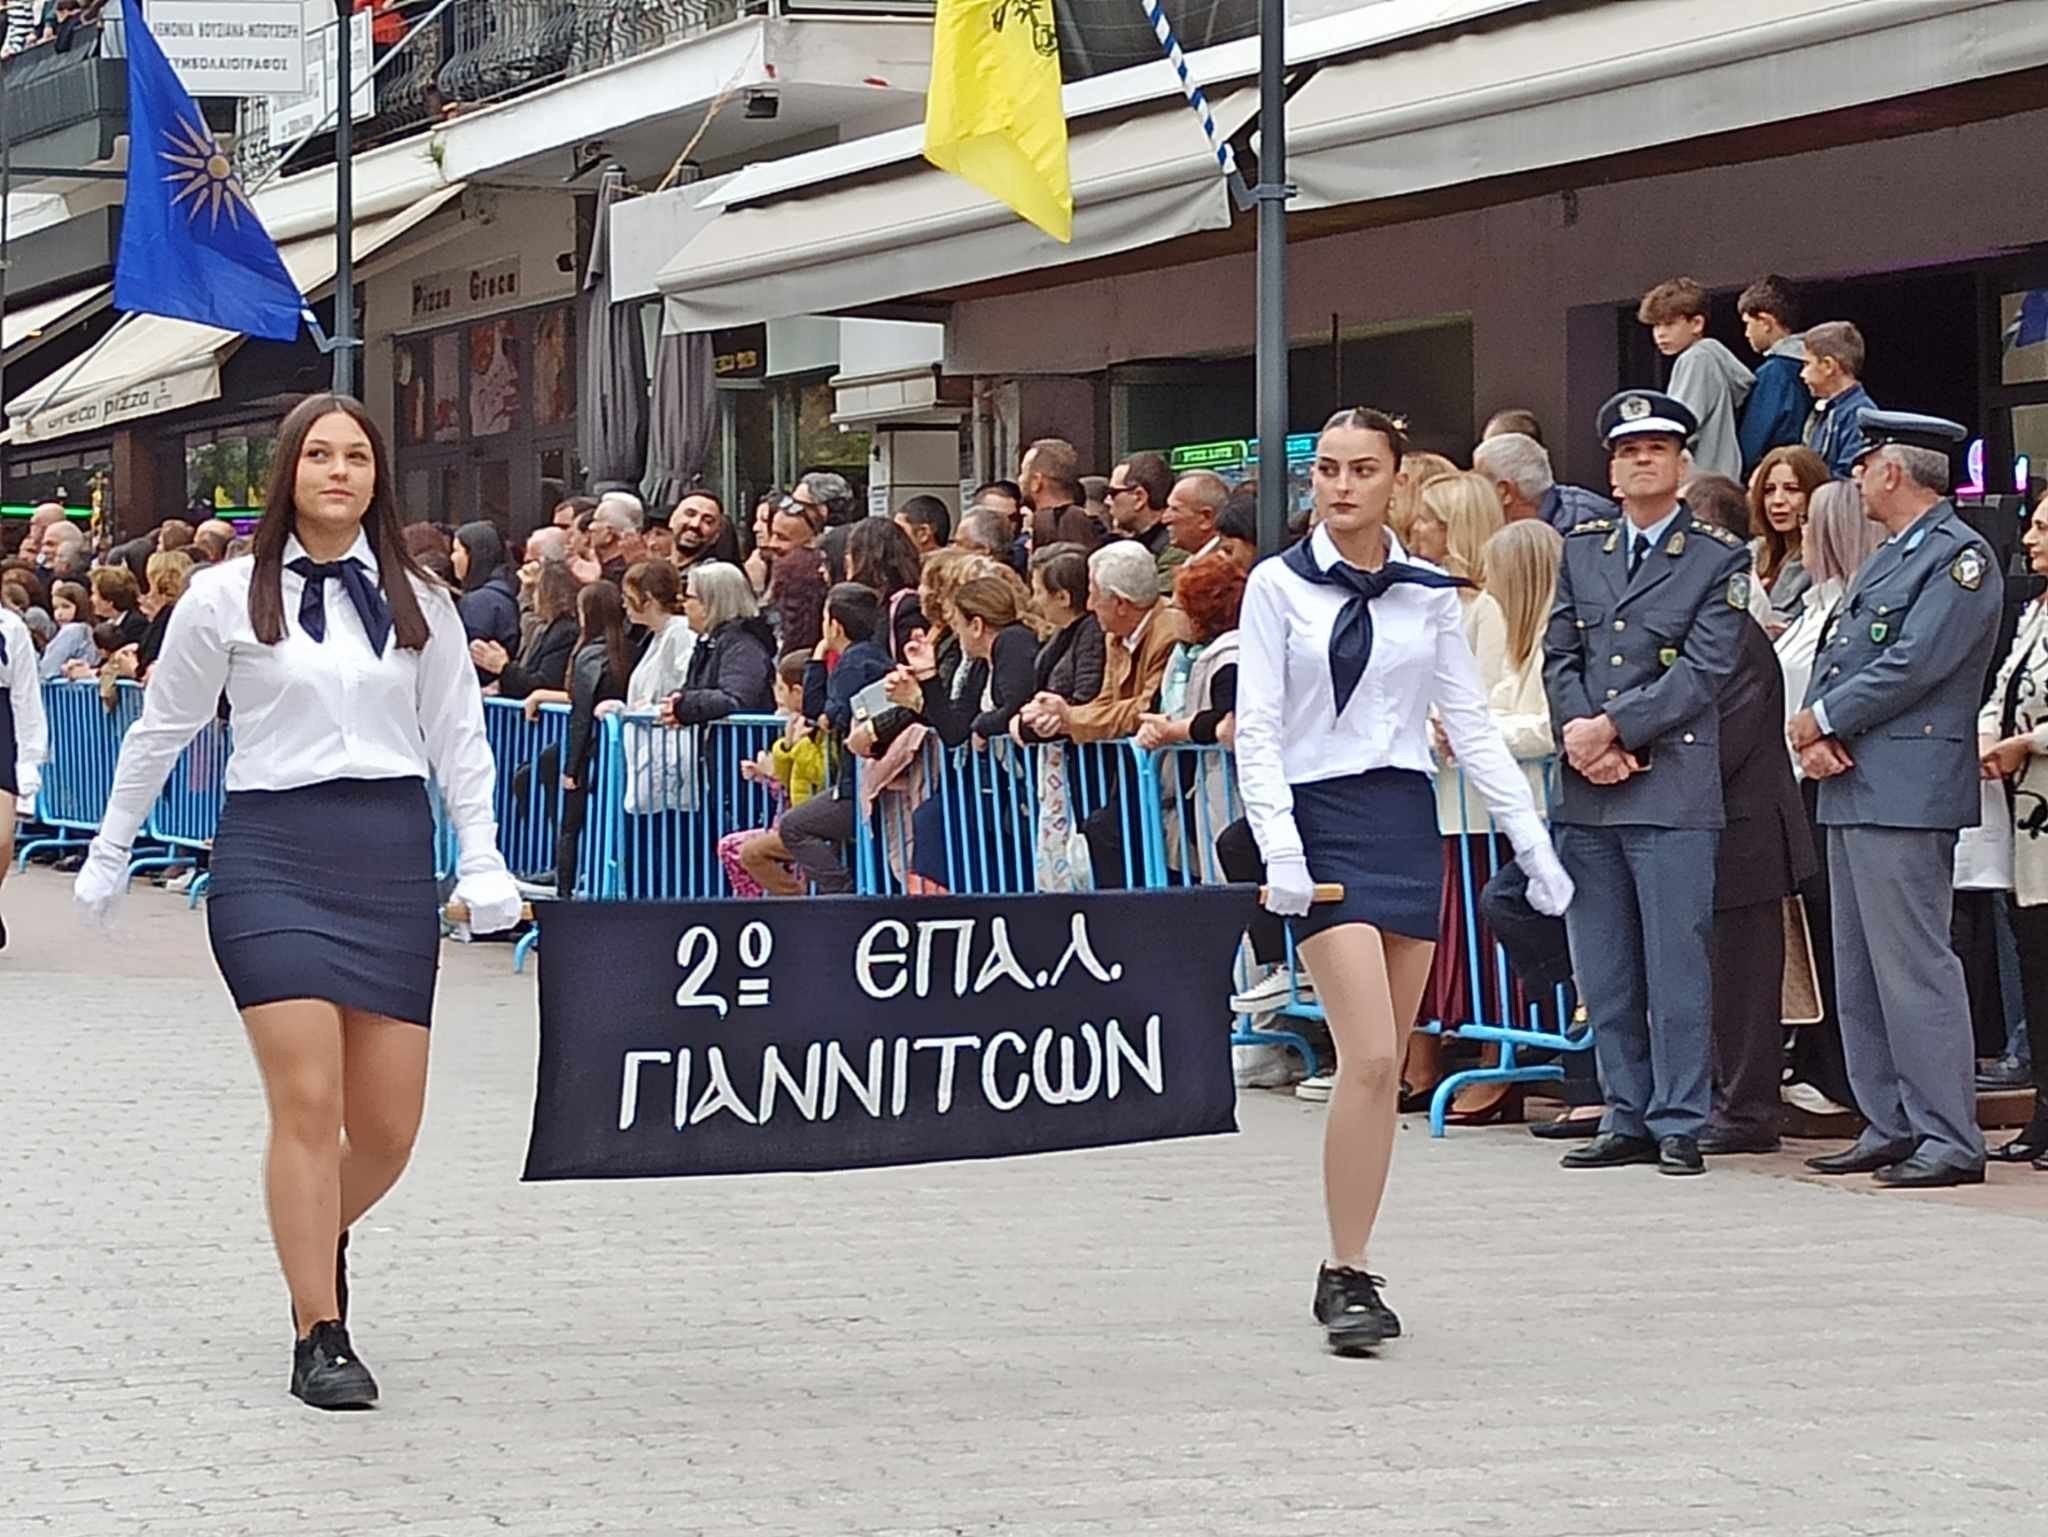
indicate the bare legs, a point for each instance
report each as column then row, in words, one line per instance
column 331, row 1074
column 1370, row 985
column 6, row 835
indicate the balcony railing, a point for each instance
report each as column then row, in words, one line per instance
column 478, row 52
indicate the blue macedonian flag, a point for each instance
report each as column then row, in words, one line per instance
column 191, row 245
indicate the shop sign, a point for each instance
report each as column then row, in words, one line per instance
column 740, row 353
column 1206, row 456
column 465, row 290
column 308, row 104
column 126, row 404
column 232, row 47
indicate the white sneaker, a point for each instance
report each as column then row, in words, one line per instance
column 181, row 882
column 1804, row 1096
column 1264, row 1067
column 1316, row 1088
column 1272, row 992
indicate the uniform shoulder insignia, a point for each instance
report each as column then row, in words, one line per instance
column 1738, row 590
column 1967, row 569
column 1593, row 526
column 1714, row 531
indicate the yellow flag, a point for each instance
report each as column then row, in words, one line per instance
column 993, row 116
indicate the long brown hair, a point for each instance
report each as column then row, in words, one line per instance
column 396, row 567
column 1810, row 472
column 601, row 617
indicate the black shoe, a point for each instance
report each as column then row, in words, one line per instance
column 1861, row 1159
column 1348, row 1305
column 1923, row 1173
column 2030, row 1146
column 1566, row 1128
column 1680, row 1155
column 326, row 1372
column 1610, row 1150
column 1719, row 1140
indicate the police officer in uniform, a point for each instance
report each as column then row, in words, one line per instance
column 1889, row 731
column 1649, row 618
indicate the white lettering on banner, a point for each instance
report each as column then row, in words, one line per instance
column 1012, row 1069
column 999, row 964
column 687, row 996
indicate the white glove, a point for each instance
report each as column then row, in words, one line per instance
column 28, row 779
column 493, row 900
column 1290, row 889
column 102, row 883
column 1550, row 889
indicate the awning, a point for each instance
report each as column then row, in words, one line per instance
column 151, row 364
column 1560, row 85
column 27, row 326
column 1138, row 180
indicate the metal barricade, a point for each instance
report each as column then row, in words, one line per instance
column 1194, row 796
column 528, row 754
column 187, row 811
column 85, row 744
column 673, row 793
column 1514, row 1026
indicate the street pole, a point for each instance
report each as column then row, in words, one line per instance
column 1272, row 194
column 344, row 205
column 6, row 202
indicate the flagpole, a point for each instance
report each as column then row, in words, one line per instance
column 344, row 204
column 1271, row 195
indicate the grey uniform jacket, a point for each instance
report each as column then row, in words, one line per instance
column 1900, row 675
column 1653, row 653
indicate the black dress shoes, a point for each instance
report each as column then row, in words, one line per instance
column 326, row 1372
column 1680, row 1155
column 1566, row 1128
column 1923, row 1173
column 1610, row 1150
column 1863, row 1158
column 1719, row 1140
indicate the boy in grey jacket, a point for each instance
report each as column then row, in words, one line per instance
column 1709, row 378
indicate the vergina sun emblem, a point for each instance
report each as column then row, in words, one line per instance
column 205, row 178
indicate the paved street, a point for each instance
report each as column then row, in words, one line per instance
column 1077, row 1346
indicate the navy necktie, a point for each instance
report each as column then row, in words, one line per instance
column 354, row 576
column 1638, row 546
column 1351, row 638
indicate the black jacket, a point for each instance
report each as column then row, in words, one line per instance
column 591, row 682
column 1765, row 851
column 732, row 672
column 544, row 663
column 1072, row 663
column 491, row 610
column 955, row 712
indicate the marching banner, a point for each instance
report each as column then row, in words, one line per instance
column 849, row 1032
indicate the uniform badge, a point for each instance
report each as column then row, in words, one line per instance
column 1878, row 632
column 1667, row 655
column 1676, row 546
column 1968, row 570
column 1634, row 408
column 1738, row 590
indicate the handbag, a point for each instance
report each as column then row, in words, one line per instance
column 1060, row 860
column 1799, row 1000
column 661, row 767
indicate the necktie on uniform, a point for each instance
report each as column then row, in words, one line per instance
column 1351, row 637
column 1638, row 547
column 354, row 577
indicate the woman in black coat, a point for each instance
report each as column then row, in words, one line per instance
column 544, row 662
column 489, row 603
column 602, row 665
column 1072, row 660
column 732, row 671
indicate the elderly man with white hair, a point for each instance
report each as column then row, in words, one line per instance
column 1142, row 629
column 1519, row 468
column 616, row 537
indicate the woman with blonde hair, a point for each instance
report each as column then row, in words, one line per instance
column 168, row 572
column 1417, row 470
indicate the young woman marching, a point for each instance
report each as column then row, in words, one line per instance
column 24, row 734
column 348, row 672
column 1344, row 646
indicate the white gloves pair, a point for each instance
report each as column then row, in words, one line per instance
column 102, row 883
column 28, row 784
column 1290, row 889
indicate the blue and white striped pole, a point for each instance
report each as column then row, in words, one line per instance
column 1198, row 103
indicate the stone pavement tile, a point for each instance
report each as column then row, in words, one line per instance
column 1110, row 1344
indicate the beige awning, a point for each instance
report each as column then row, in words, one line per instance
column 1139, row 179
column 151, row 364
column 27, row 326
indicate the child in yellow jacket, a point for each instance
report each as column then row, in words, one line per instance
column 756, row 863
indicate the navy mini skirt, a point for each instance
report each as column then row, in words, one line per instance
column 7, row 781
column 1375, row 835
column 328, row 892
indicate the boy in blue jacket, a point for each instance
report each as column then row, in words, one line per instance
column 1779, row 403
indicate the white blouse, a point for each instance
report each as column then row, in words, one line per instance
column 1799, row 643
column 1288, row 729
column 307, row 711
column 663, row 667
column 24, row 685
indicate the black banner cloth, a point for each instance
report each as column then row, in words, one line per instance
column 851, row 1032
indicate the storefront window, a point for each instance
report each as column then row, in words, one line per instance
column 66, row 477
column 227, row 469
column 446, row 407
column 554, row 367
column 822, row 446
column 493, row 377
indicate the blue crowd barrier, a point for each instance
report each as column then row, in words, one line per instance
column 529, row 782
column 78, row 779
